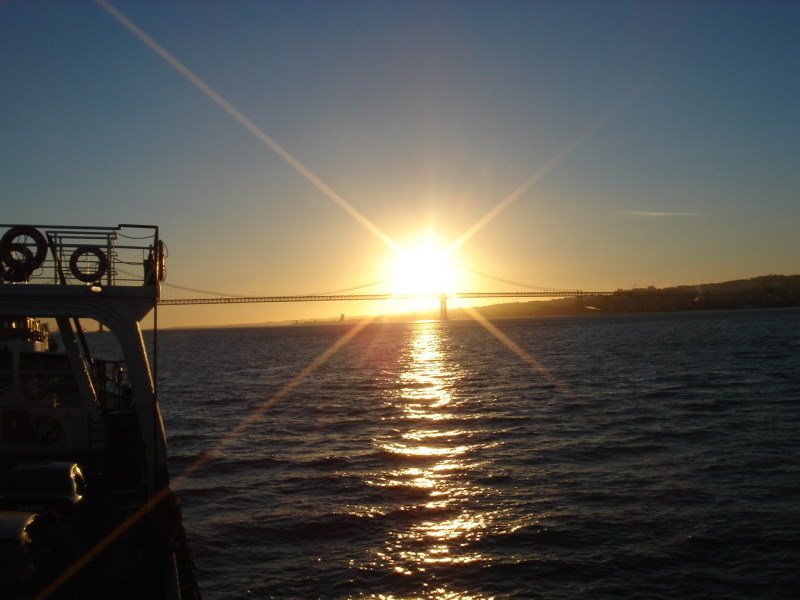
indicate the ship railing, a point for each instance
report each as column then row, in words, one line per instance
column 125, row 255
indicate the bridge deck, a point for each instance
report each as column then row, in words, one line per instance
column 348, row 297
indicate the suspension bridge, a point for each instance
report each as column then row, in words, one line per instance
column 641, row 297
column 442, row 297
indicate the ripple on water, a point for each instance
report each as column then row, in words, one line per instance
column 426, row 460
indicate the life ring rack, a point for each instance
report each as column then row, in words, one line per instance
column 17, row 260
column 14, row 273
column 88, row 276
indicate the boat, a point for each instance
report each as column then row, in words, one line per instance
column 86, row 506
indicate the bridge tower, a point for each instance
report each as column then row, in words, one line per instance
column 443, row 307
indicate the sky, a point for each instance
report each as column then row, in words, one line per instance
column 582, row 145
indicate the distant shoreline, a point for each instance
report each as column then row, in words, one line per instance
column 394, row 321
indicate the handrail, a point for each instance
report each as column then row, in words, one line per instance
column 80, row 255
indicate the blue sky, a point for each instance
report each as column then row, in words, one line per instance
column 422, row 116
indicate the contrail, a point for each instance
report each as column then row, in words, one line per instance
column 217, row 99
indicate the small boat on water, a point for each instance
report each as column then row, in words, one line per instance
column 86, row 509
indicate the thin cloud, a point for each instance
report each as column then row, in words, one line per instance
column 651, row 214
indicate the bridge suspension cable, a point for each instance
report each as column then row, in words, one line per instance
column 358, row 287
column 198, row 291
column 509, row 281
column 227, row 295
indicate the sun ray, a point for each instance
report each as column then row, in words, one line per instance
column 551, row 164
column 520, row 352
column 204, row 458
column 254, row 129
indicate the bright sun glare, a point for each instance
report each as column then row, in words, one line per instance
column 424, row 267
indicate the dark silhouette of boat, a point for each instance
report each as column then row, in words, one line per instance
column 86, row 509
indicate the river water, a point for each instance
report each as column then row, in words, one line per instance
column 609, row 456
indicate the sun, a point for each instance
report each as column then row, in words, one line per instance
column 424, row 267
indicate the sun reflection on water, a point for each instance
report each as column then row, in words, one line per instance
column 430, row 460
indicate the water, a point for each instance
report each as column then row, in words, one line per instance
column 642, row 456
